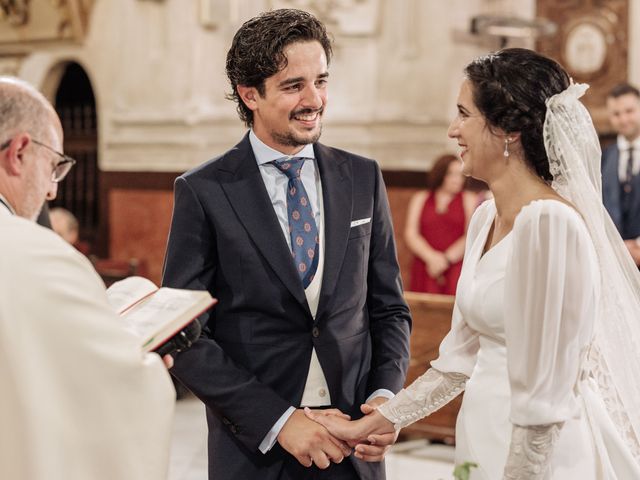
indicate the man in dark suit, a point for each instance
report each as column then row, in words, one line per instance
column 621, row 166
column 295, row 239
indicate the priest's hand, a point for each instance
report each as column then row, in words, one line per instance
column 168, row 361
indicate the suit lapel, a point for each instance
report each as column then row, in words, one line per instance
column 244, row 187
column 335, row 174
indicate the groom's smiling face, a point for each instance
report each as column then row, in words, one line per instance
column 289, row 114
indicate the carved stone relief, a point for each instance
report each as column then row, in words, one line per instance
column 16, row 12
column 358, row 18
column 592, row 44
column 10, row 65
column 211, row 13
column 25, row 21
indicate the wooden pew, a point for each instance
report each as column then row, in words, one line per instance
column 431, row 322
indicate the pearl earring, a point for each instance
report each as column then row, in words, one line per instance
column 506, row 147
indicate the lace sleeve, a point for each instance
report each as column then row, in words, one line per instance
column 424, row 396
column 530, row 451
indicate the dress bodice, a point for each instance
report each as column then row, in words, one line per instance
column 481, row 289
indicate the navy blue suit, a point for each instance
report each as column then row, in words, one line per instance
column 629, row 228
column 252, row 361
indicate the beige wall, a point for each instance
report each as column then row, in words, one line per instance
column 634, row 41
column 157, row 68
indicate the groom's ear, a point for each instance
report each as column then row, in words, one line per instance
column 249, row 96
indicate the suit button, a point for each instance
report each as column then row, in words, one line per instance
column 315, row 332
column 233, row 429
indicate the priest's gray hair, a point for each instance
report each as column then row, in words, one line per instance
column 22, row 109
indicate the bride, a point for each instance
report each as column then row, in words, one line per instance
column 545, row 335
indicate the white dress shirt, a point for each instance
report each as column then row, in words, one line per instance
column 316, row 390
column 623, row 159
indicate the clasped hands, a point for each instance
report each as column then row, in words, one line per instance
column 323, row 436
column 437, row 264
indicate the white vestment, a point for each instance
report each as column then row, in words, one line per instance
column 78, row 398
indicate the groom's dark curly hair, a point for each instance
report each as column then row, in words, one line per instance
column 510, row 88
column 257, row 50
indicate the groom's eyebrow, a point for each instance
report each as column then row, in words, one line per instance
column 293, row 81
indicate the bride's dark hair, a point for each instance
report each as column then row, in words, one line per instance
column 510, row 88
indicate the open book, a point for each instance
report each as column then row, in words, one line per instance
column 156, row 314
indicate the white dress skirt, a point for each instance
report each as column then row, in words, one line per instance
column 522, row 331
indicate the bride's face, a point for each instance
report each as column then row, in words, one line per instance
column 481, row 149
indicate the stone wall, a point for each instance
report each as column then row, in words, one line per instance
column 157, row 70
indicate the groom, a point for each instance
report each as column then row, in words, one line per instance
column 296, row 241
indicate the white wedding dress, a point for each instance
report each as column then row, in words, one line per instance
column 522, row 333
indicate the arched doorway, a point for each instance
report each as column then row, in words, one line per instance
column 79, row 192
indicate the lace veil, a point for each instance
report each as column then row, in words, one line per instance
column 573, row 149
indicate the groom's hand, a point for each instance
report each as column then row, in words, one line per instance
column 310, row 442
column 378, row 445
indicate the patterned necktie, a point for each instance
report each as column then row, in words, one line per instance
column 629, row 177
column 302, row 224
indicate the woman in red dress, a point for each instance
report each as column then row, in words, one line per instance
column 436, row 228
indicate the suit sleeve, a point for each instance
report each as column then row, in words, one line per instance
column 248, row 407
column 390, row 321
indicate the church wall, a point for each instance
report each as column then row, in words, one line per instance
column 157, row 69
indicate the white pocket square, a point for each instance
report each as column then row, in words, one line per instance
column 362, row 221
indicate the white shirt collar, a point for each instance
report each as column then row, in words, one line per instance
column 6, row 204
column 624, row 144
column 265, row 154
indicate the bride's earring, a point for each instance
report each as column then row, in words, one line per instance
column 506, row 147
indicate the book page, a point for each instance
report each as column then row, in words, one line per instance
column 164, row 313
column 127, row 292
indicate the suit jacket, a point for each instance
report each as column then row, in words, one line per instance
column 79, row 401
column 611, row 194
column 252, row 361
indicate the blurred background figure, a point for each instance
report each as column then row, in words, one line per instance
column 621, row 166
column 436, row 227
column 43, row 217
column 65, row 224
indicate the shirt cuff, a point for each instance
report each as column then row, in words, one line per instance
column 381, row 392
column 270, row 438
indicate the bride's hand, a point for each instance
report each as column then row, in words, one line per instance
column 353, row 432
column 377, row 445
column 339, row 426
